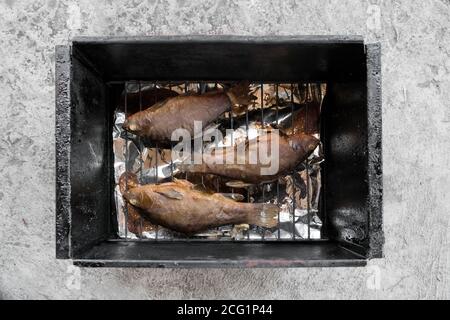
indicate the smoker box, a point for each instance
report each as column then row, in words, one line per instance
column 351, row 204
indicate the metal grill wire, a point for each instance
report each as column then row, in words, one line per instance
column 126, row 162
column 310, row 95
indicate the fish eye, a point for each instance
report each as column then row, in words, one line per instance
column 130, row 125
column 133, row 127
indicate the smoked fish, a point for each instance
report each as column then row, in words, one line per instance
column 137, row 221
column 160, row 120
column 178, row 206
column 292, row 151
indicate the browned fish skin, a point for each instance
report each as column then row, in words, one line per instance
column 159, row 121
column 177, row 206
column 147, row 98
column 207, row 182
column 127, row 181
column 137, row 222
column 306, row 120
column 292, row 151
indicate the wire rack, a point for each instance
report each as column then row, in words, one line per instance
column 306, row 92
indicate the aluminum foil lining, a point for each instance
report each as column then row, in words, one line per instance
column 297, row 194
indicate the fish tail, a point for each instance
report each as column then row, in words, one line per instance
column 264, row 215
column 240, row 94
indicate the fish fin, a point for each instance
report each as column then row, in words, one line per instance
column 158, row 105
column 183, row 182
column 264, row 215
column 240, row 94
column 171, row 193
column 238, row 184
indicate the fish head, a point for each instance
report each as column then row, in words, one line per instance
column 303, row 143
column 138, row 197
column 128, row 180
column 133, row 124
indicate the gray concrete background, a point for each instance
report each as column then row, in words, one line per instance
column 416, row 143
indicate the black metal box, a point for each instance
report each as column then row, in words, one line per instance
column 351, row 131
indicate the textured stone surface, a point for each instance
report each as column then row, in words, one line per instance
column 416, row 143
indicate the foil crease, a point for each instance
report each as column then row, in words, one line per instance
column 299, row 193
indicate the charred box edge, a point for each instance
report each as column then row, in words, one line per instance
column 351, row 127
